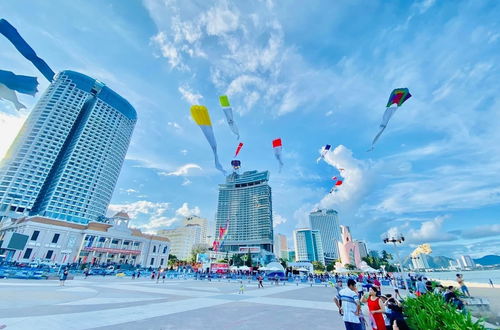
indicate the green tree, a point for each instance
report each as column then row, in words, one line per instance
column 283, row 262
column 350, row 267
column 172, row 260
column 318, row 266
column 248, row 262
column 330, row 267
column 237, row 260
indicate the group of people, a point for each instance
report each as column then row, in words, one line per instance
column 385, row 311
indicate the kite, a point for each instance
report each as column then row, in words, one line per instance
column 236, row 164
column 228, row 111
column 240, row 145
column 397, row 97
column 202, row 118
column 337, row 184
column 9, row 95
column 22, row 84
column 324, row 152
column 24, row 49
column 277, row 146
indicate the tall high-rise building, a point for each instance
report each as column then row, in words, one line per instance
column 327, row 223
column 466, row 261
column 245, row 208
column 421, row 261
column 65, row 161
column 308, row 245
column 363, row 251
column 280, row 246
column 202, row 222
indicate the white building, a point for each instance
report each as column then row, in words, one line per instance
column 65, row 160
column 280, row 246
column 183, row 239
column 421, row 261
column 202, row 222
column 466, row 261
column 327, row 223
column 61, row 242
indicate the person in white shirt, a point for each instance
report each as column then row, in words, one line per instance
column 349, row 306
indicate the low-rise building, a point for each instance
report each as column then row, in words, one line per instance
column 111, row 242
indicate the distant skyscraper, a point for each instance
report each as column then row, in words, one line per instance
column 466, row 261
column 280, row 246
column 363, row 251
column 308, row 245
column 421, row 262
column 202, row 222
column 66, row 159
column 245, row 205
column 327, row 222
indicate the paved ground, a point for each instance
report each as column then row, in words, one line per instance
column 119, row 303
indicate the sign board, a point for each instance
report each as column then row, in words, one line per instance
column 219, row 268
column 251, row 249
column 202, row 258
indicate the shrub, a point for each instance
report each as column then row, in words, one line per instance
column 430, row 311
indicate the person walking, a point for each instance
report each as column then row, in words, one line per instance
column 349, row 306
column 63, row 277
column 395, row 287
column 86, row 272
column 461, row 283
column 376, row 308
column 242, row 288
column 133, row 275
column 260, row 282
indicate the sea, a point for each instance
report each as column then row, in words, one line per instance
column 477, row 276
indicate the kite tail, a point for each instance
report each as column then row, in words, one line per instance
column 317, row 160
column 24, row 49
column 218, row 164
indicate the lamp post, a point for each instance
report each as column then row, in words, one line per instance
column 394, row 240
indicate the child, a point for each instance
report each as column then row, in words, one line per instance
column 242, row 288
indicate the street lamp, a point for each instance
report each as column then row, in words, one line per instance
column 399, row 239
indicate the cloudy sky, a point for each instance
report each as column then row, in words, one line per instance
column 313, row 74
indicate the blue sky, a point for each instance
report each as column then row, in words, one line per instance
column 313, row 74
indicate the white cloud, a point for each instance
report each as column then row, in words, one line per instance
column 184, row 152
column 355, row 175
column 430, row 231
column 220, row 20
column 139, row 208
column 186, row 182
column 174, row 125
column 185, row 211
column 167, row 49
column 278, row 220
column 183, row 170
column 190, row 96
column 9, row 127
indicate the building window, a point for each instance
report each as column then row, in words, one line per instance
column 27, row 253
column 35, row 235
column 49, row 254
column 154, row 248
column 165, row 250
column 152, row 261
column 55, row 238
column 161, row 262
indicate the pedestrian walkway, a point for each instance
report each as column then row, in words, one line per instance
column 141, row 304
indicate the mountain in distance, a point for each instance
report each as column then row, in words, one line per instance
column 439, row 262
column 488, row 260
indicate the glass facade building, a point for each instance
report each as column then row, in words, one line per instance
column 308, row 246
column 327, row 223
column 65, row 161
column 245, row 206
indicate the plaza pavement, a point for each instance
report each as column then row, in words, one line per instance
column 123, row 303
